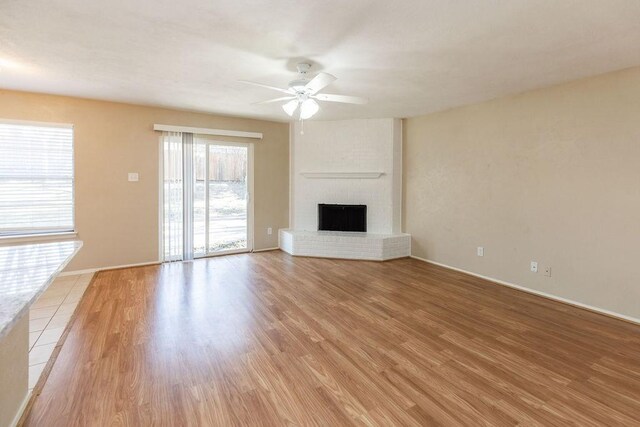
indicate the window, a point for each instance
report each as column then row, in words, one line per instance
column 36, row 178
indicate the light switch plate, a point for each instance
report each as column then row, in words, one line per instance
column 133, row 177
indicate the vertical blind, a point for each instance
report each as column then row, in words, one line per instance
column 36, row 178
column 172, row 197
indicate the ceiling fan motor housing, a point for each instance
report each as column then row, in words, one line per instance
column 299, row 83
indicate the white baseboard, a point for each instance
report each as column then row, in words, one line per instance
column 266, row 249
column 23, row 406
column 534, row 292
column 113, row 267
column 76, row 272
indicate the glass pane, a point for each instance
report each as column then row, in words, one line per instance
column 227, row 198
column 199, row 199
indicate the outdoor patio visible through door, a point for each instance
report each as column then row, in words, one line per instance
column 221, row 197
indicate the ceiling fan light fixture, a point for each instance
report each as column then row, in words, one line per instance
column 308, row 108
column 290, row 107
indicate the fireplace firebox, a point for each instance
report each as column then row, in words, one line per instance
column 342, row 217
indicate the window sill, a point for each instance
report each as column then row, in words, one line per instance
column 35, row 238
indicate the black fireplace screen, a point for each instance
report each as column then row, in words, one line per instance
column 342, row 217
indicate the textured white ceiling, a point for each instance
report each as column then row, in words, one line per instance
column 409, row 57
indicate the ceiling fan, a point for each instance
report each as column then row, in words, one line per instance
column 303, row 93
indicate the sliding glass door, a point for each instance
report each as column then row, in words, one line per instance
column 221, row 197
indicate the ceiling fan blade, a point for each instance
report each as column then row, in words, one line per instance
column 266, row 86
column 319, row 82
column 341, row 98
column 269, row 101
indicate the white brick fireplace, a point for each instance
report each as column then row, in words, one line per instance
column 356, row 162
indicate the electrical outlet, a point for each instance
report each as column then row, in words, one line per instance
column 133, row 177
column 269, row 231
column 534, row 266
column 480, row 251
column 547, row 271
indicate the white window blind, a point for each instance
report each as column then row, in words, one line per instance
column 36, row 178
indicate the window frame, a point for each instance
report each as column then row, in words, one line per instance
column 54, row 234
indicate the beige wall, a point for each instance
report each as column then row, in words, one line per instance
column 551, row 175
column 118, row 220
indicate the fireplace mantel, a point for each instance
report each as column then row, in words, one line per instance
column 342, row 175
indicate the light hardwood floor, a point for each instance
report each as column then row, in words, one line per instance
column 268, row 339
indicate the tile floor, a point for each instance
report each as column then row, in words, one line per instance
column 48, row 317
